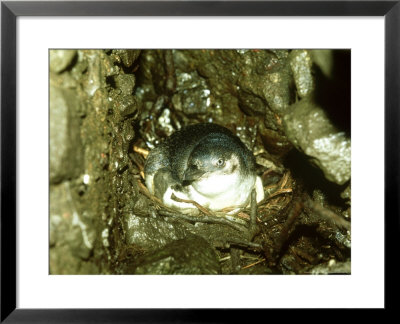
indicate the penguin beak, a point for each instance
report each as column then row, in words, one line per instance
column 193, row 174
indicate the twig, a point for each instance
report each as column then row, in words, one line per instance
column 253, row 208
column 253, row 228
column 141, row 151
column 284, row 180
column 265, row 173
column 276, row 193
column 137, row 159
column 243, row 215
column 328, row 214
column 146, row 192
column 253, row 264
column 202, row 219
column 199, row 207
column 225, row 258
column 280, row 191
column 247, row 244
column 230, row 208
column 294, row 212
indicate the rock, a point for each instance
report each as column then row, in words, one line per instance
column 126, row 105
column 346, row 194
column 251, row 104
column 275, row 142
column 71, row 240
column 193, row 95
column 219, row 85
column 61, row 59
column 127, row 57
column 264, row 74
column 125, row 83
column 65, row 145
column 89, row 152
column 150, row 233
column 309, row 129
column 301, row 64
column 331, row 267
column 191, row 255
column 324, row 60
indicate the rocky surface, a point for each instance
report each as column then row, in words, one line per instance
column 308, row 127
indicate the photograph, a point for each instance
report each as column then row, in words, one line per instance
column 193, row 161
column 199, row 161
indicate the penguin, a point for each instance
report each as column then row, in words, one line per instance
column 205, row 163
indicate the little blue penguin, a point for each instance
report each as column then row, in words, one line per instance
column 205, row 163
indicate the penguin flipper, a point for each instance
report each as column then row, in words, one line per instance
column 163, row 180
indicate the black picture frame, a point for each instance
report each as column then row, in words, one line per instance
column 11, row 10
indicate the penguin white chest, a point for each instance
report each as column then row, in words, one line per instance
column 217, row 192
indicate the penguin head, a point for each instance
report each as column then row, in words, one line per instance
column 216, row 163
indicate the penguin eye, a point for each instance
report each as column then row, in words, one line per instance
column 220, row 162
